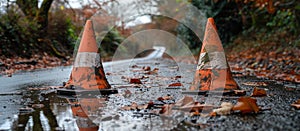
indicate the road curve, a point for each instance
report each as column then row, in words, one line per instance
column 56, row 76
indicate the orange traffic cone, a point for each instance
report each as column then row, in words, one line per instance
column 213, row 71
column 87, row 72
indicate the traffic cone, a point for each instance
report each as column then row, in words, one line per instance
column 213, row 71
column 87, row 72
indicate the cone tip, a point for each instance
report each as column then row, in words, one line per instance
column 88, row 23
column 88, row 41
column 211, row 21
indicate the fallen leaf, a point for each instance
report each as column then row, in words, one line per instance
column 146, row 68
column 255, row 84
column 225, row 108
column 126, row 108
column 175, row 84
column 144, row 77
column 135, row 81
column 212, row 114
column 239, row 92
column 133, row 106
column 197, row 113
column 164, row 98
column 150, row 105
column 258, row 92
column 196, row 107
column 246, row 105
column 154, row 71
column 177, row 77
column 185, row 100
column 166, row 109
column 127, row 93
column 296, row 104
column 134, row 66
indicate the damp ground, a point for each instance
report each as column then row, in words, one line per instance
column 35, row 106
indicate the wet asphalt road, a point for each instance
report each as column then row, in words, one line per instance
column 281, row 115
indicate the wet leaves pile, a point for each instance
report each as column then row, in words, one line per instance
column 268, row 64
column 8, row 66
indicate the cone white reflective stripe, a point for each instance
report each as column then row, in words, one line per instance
column 87, row 59
column 213, row 60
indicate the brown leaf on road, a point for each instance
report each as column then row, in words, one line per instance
column 239, row 92
column 196, row 107
column 127, row 93
column 255, row 84
column 246, row 105
column 185, row 100
column 153, row 72
column 164, row 98
column 134, row 66
column 258, row 92
column 133, row 106
column 146, row 68
column 296, row 104
column 177, row 77
column 135, row 81
column 175, row 84
column 166, row 109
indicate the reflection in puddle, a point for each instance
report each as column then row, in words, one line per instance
column 55, row 114
column 64, row 117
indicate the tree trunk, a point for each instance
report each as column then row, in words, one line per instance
column 43, row 14
column 34, row 13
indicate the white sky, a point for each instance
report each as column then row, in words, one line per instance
column 130, row 12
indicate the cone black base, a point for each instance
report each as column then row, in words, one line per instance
column 85, row 93
column 205, row 93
